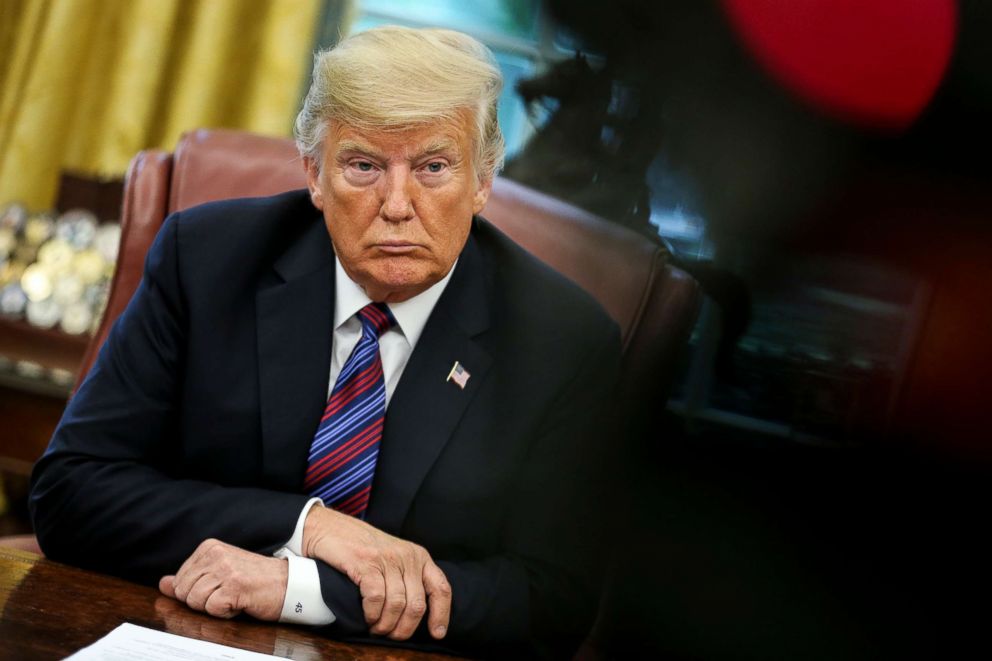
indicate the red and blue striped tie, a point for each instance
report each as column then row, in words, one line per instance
column 345, row 447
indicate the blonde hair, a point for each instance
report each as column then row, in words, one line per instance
column 393, row 78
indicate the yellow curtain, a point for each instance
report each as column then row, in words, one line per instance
column 85, row 84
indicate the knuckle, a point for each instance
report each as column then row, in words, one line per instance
column 371, row 568
column 209, row 545
column 375, row 590
column 219, row 607
column 354, row 574
column 443, row 589
column 417, row 608
column 395, row 604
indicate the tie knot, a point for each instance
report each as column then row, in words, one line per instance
column 376, row 318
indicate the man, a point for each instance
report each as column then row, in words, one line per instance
column 439, row 486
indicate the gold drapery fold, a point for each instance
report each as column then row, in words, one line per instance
column 85, row 84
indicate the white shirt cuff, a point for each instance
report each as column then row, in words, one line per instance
column 304, row 603
column 295, row 543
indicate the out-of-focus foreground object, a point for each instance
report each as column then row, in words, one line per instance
column 873, row 62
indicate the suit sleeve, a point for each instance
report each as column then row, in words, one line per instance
column 107, row 494
column 538, row 597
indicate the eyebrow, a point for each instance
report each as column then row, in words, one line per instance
column 436, row 147
column 351, row 146
column 432, row 148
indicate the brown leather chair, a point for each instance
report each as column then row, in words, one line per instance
column 654, row 303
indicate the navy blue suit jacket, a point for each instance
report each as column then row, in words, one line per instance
column 196, row 419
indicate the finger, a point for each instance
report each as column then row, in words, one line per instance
column 204, row 559
column 372, row 587
column 221, row 604
column 416, row 603
column 188, row 574
column 439, row 600
column 167, row 586
column 197, row 596
column 395, row 601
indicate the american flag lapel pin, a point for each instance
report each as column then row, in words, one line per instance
column 458, row 375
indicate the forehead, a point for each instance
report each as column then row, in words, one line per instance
column 453, row 135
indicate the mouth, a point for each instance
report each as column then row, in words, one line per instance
column 396, row 247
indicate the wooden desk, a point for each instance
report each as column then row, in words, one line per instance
column 49, row 610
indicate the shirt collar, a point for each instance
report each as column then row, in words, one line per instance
column 411, row 315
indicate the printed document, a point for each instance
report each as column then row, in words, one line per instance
column 129, row 642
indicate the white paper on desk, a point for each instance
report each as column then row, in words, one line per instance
column 129, row 642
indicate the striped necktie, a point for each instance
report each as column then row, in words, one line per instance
column 345, row 447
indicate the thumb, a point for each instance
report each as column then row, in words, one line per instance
column 167, row 586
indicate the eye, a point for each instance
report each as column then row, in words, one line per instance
column 435, row 167
column 362, row 166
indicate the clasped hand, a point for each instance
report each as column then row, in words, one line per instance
column 398, row 580
column 225, row 580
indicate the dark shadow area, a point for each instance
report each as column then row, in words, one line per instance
column 737, row 548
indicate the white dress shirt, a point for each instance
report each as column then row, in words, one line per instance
column 304, row 603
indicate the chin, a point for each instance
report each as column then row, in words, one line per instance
column 405, row 272
column 404, row 282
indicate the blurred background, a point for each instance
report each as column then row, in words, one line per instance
column 815, row 484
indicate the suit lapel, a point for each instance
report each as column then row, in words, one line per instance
column 295, row 323
column 425, row 409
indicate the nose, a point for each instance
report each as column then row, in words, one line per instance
column 397, row 198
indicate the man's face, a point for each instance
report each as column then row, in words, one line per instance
column 397, row 204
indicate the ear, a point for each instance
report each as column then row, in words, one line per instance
column 313, row 181
column 481, row 195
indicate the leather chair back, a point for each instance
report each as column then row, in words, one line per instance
column 654, row 303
